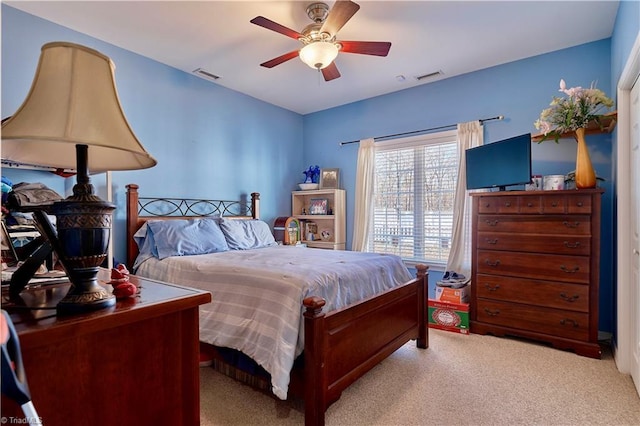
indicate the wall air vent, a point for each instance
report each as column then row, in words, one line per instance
column 430, row 75
column 205, row 74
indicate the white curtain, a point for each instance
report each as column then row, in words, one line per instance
column 365, row 178
column 469, row 135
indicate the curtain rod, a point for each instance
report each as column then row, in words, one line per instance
column 499, row 117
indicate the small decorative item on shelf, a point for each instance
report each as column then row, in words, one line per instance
column 311, row 179
column 312, row 174
column 574, row 114
column 308, row 186
column 286, row 230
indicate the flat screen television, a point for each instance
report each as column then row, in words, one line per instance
column 499, row 164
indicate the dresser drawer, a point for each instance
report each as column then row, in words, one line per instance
column 535, row 224
column 550, row 203
column 509, row 204
column 501, row 204
column 537, row 243
column 579, row 203
column 550, row 267
column 574, row 297
column 530, row 205
column 553, row 204
column 556, row 322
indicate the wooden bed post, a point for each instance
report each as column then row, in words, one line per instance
column 132, row 222
column 255, row 205
column 314, row 362
column 422, row 272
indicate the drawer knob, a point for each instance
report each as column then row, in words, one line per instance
column 490, row 287
column 554, row 204
column 569, row 321
column 491, row 313
column 579, row 204
column 529, row 204
column 569, row 271
column 568, row 298
column 507, row 204
column 490, row 263
column 491, row 222
column 576, row 244
column 571, row 224
column 492, row 241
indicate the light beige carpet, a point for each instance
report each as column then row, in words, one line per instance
column 459, row 380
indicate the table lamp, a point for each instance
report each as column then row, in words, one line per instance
column 72, row 119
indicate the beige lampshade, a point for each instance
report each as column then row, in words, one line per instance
column 73, row 100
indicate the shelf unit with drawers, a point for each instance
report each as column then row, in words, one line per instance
column 535, row 261
column 330, row 228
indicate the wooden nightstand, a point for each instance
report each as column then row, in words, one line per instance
column 135, row 363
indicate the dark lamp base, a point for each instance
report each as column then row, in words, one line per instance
column 85, row 294
column 84, row 302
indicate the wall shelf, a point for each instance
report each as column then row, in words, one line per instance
column 15, row 165
column 607, row 124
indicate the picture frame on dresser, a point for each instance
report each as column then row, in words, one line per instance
column 330, row 179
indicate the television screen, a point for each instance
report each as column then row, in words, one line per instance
column 499, row 164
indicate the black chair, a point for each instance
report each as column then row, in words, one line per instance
column 14, row 379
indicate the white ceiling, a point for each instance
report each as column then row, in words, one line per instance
column 455, row 37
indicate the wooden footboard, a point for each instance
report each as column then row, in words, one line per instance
column 342, row 345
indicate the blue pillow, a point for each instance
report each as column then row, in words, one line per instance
column 247, row 234
column 146, row 245
column 181, row 237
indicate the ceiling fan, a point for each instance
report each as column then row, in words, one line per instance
column 319, row 39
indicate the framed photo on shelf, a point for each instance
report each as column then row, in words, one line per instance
column 319, row 206
column 330, row 179
column 311, row 231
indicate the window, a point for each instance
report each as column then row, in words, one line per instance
column 415, row 184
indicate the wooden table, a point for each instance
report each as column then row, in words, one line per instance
column 132, row 364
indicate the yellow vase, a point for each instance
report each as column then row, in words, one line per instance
column 585, row 175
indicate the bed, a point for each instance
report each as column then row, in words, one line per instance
column 330, row 336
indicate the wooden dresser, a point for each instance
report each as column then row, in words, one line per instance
column 133, row 364
column 535, row 261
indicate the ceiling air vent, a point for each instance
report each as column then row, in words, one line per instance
column 205, row 74
column 430, row 75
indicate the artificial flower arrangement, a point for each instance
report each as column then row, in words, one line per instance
column 577, row 110
column 312, row 175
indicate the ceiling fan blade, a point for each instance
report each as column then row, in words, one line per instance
column 330, row 72
column 339, row 14
column 274, row 26
column 377, row 48
column 280, row 59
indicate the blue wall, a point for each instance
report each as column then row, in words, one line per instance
column 518, row 90
column 211, row 141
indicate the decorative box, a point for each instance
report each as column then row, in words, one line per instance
column 452, row 317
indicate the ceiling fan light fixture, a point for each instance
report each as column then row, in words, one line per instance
column 319, row 54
